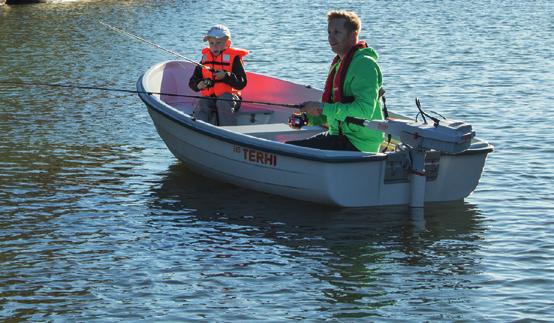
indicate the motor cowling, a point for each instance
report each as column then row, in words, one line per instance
column 448, row 136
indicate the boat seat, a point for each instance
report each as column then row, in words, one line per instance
column 249, row 114
column 280, row 132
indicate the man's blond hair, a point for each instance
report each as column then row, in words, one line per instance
column 352, row 21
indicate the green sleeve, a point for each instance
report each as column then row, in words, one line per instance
column 316, row 120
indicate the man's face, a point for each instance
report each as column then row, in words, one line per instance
column 217, row 45
column 340, row 38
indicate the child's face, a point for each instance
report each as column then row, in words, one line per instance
column 217, row 45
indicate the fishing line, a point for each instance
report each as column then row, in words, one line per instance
column 128, row 34
column 85, row 87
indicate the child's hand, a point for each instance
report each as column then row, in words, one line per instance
column 220, row 75
column 201, row 85
column 205, row 83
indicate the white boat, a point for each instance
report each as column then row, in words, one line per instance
column 253, row 154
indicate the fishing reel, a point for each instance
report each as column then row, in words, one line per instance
column 208, row 82
column 298, row 119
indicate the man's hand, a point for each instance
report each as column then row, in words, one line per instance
column 312, row 107
column 220, row 75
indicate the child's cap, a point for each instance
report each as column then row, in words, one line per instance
column 218, row 31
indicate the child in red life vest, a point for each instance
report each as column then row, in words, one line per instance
column 221, row 76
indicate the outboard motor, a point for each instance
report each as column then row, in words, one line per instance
column 448, row 136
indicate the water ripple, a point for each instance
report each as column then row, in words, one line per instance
column 99, row 222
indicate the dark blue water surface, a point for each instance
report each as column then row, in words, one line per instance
column 99, row 222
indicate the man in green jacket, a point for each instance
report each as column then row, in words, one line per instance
column 351, row 89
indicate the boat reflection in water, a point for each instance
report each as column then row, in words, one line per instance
column 361, row 257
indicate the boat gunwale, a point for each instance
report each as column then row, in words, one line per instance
column 264, row 144
column 163, row 108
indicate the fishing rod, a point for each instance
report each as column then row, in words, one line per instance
column 128, row 34
column 73, row 86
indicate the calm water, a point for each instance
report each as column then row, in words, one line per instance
column 99, row 222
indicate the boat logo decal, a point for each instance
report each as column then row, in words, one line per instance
column 256, row 156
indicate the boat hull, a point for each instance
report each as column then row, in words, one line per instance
column 346, row 179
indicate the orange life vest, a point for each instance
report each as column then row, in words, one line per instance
column 222, row 62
